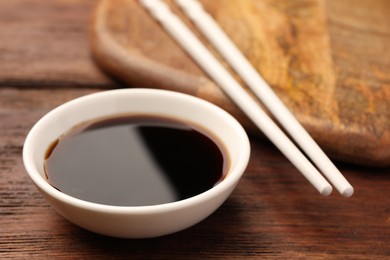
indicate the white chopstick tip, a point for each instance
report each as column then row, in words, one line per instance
column 326, row 191
column 347, row 192
column 182, row 34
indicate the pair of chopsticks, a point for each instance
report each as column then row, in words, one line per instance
column 197, row 50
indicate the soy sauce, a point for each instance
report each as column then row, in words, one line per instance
column 135, row 160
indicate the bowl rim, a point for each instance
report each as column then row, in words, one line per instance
column 233, row 176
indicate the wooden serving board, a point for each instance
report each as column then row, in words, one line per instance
column 329, row 61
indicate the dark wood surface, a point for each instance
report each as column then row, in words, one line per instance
column 273, row 213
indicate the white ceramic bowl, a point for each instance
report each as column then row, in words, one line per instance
column 140, row 221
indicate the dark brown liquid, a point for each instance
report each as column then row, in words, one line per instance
column 135, row 161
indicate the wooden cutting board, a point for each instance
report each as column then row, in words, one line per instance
column 329, row 61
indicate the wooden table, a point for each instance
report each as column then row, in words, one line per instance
column 273, row 213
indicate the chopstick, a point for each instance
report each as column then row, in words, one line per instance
column 262, row 90
column 195, row 48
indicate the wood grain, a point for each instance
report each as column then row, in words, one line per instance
column 295, row 45
column 36, row 34
column 360, row 40
column 273, row 213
